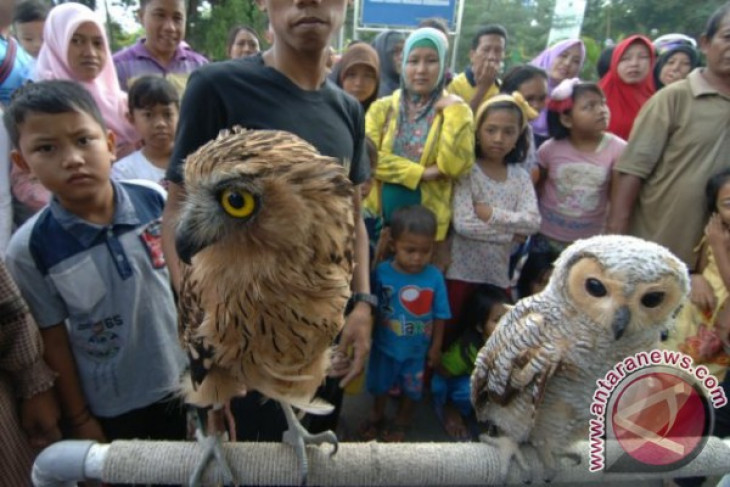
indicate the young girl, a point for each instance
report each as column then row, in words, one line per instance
column 75, row 47
column 495, row 204
column 409, row 328
column 450, row 387
column 575, row 166
column 702, row 328
column 153, row 110
column 532, row 83
column 358, row 73
column 628, row 83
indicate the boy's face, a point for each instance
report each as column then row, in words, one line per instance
column 412, row 252
column 69, row 153
column 164, row 25
column 156, row 125
column 30, row 36
column 305, row 25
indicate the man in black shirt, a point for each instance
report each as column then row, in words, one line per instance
column 284, row 88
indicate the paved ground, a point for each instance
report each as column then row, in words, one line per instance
column 356, row 408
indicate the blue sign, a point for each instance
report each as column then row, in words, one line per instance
column 406, row 13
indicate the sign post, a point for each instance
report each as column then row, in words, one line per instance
column 405, row 15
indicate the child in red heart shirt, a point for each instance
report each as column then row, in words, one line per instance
column 410, row 321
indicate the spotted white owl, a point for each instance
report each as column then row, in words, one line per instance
column 608, row 297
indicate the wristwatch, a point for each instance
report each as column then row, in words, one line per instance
column 370, row 299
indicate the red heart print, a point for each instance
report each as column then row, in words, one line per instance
column 416, row 300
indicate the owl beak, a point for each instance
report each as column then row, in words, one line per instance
column 186, row 245
column 620, row 321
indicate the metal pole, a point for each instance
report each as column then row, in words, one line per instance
column 355, row 464
column 457, row 37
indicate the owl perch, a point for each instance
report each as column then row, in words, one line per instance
column 266, row 240
column 608, row 297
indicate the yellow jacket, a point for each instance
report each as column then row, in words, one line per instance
column 460, row 86
column 449, row 145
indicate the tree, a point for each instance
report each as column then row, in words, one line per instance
column 617, row 19
column 208, row 24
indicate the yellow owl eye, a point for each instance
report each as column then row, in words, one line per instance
column 238, row 204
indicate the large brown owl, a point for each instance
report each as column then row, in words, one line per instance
column 609, row 297
column 266, row 238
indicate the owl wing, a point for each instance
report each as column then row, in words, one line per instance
column 517, row 358
column 190, row 317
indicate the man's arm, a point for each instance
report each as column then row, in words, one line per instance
column 359, row 323
column 59, row 357
column 175, row 195
column 624, row 192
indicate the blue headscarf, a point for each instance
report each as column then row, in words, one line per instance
column 426, row 37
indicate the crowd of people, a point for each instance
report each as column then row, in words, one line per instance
column 470, row 185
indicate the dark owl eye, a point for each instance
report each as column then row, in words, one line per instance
column 237, row 203
column 595, row 288
column 652, row 300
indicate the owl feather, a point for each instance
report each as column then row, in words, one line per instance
column 266, row 239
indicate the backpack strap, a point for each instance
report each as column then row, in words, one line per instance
column 7, row 65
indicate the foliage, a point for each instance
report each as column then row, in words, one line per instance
column 208, row 28
column 527, row 22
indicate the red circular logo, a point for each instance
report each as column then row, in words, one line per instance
column 659, row 419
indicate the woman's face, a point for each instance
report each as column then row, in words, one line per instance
column 534, row 91
column 87, row 52
column 245, row 44
column 566, row 65
column 422, row 70
column 676, row 68
column 635, row 64
column 359, row 81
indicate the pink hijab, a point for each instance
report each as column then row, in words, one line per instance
column 52, row 63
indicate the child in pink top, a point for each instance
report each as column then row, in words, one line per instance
column 575, row 166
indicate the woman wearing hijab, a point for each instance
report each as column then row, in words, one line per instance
column 424, row 136
column 563, row 60
column 75, row 48
column 358, row 73
column 678, row 56
column 629, row 83
column 389, row 46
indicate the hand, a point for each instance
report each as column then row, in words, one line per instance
column 717, row 235
column 484, row 211
column 701, row 293
column 447, row 101
column 434, row 356
column 39, row 417
column 89, row 430
column 485, row 74
column 354, row 343
column 432, row 173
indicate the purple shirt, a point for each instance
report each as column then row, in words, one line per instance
column 135, row 61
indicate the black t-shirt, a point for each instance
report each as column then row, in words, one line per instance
column 245, row 92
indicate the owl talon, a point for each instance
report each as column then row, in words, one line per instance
column 212, row 448
column 298, row 438
column 508, row 449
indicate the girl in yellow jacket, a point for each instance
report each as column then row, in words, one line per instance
column 425, row 136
